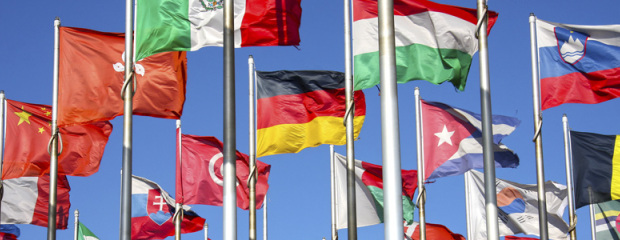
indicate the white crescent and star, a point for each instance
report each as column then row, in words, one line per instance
column 444, row 136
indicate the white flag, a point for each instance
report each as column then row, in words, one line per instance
column 517, row 207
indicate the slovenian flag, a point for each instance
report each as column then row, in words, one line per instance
column 434, row 42
column 578, row 63
column 453, row 140
column 184, row 25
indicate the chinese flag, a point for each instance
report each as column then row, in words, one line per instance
column 28, row 132
column 199, row 174
column 91, row 75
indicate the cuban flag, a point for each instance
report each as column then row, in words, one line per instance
column 452, row 140
column 152, row 212
column 578, row 63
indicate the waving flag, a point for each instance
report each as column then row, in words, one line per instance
column 9, row 232
column 300, row 109
column 91, row 75
column 606, row 219
column 152, row 212
column 200, row 179
column 517, row 207
column 25, row 201
column 578, row 63
column 453, row 140
column 369, row 192
column 434, row 42
column 433, row 232
column 84, row 233
column 28, row 133
column 183, row 25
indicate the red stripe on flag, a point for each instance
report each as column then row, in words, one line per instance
column 578, row 87
column 271, row 23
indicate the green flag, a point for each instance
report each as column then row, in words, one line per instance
column 85, row 234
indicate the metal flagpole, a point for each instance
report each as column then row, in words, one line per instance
column 77, row 223
column 390, row 133
column 350, row 112
column 332, row 191
column 230, row 169
column 178, row 215
column 252, row 152
column 487, row 130
column 420, row 149
column 540, row 172
column 127, row 93
column 568, row 153
column 53, row 147
column 467, row 206
column 592, row 221
column 265, row 216
column 206, row 231
column 2, row 122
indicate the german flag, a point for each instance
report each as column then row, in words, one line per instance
column 596, row 167
column 300, row 109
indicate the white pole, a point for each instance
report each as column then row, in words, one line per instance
column 230, row 141
column 350, row 112
column 206, row 231
column 265, row 215
column 467, row 205
column 252, row 152
column 592, row 222
column 420, row 152
column 51, row 216
column 76, row 225
column 179, row 206
column 332, row 191
column 540, row 172
column 568, row 153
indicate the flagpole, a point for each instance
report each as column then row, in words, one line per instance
column 540, row 173
column 178, row 206
column 265, row 216
column 2, row 123
column 420, row 148
column 592, row 221
column 390, row 133
column 77, row 221
column 332, row 191
column 350, row 112
column 487, row 128
column 569, row 180
column 53, row 148
column 230, row 169
column 206, row 231
column 467, row 206
column 127, row 94
column 252, row 152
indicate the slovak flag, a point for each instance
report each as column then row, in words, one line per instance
column 453, row 140
column 152, row 212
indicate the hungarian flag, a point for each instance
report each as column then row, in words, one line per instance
column 300, row 109
column 25, row 201
column 369, row 192
column 199, row 174
column 28, row 133
column 91, row 76
column 9, row 232
column 152, row 211
column 433, row 232
column 453, row 140
column 183, row 25
column 434, row 42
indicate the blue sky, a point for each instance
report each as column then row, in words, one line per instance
column 299, row 183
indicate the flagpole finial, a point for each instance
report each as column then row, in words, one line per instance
column 178, row 123
column 416, row 91
column 564, row 118
column 250, row 59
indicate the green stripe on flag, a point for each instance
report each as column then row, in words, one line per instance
column 408, row 207
column 162, row 26
column 415, row 62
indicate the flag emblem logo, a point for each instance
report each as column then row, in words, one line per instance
column 212, row 5
column 217, row 177
column 157, row 207
column 510, row 201
column 571, row 44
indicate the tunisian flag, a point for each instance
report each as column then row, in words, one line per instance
column 199, row 174
column 28, row 133
column 91, row 76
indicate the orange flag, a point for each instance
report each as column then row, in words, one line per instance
column 91, row 75
column 28, row 131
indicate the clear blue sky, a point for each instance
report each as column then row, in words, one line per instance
column 299, row 183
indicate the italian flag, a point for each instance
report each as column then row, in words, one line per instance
column 434, row 42
column 188, row 25
column 369, row 192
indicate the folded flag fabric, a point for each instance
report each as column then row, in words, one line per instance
column 453, row 140
column 84, row 233
column 578, row 63
column 25, row 201
column 301, row 109
column 433, row 232
column 434, row 42
column 184, row 25
column 369, row 192
column 519, row 238
column 199, row 174
column 9, row 232
column 28, row 133
column 152, row 211
column 99, row 58
column 606, row 219
column 594, row 167
column 517, row 207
